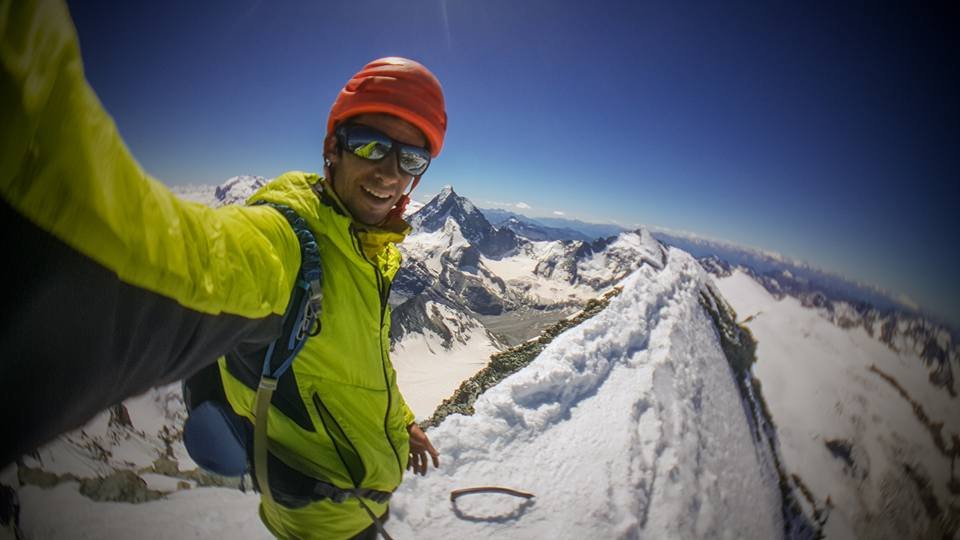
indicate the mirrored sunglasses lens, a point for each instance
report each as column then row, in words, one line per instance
column 413, row 162
column 368, row 143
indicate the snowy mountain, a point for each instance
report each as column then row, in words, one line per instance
column 238, row 189
column 799, row 273
column 450, row 286
column 235, row 190
column 491, row 241
column 901, row 330
column 412, row 208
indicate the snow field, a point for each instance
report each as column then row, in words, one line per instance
column 62, row 512
column 427, row 374
column 818, row 387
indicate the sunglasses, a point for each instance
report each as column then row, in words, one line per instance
column 371, row 144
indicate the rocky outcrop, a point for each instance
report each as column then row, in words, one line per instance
column 120, row 486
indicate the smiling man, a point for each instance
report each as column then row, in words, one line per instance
column 341, row 419
column 121, row 286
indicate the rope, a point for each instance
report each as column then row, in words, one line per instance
column 489, row 489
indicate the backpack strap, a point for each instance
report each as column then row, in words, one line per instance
column 303, row 312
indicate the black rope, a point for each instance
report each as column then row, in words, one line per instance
column 489, row 489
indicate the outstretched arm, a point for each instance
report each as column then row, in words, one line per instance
column 113, row 284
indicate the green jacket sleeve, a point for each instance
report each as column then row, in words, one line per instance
column 116, row 284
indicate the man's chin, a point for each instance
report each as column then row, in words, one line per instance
column 372, row 218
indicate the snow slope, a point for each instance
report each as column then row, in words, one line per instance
column 62, row 513
column 427, row 372
column 820, row 388
column 103, row 446
column 629, row 425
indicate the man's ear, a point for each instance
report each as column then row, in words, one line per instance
column 331, row 147
column 330, row 162
column 331, row 159
column 331, row 154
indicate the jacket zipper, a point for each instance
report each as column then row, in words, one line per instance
column 323, row 412
column 383, row 362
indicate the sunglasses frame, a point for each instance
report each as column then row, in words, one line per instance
column 396, row 147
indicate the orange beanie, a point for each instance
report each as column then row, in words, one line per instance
column 396, row 86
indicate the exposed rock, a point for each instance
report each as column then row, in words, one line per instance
column 119, row 416
column 120, row 486
column 41, row 478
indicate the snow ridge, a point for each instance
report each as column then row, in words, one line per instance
column 581, row 361
column 644, row 390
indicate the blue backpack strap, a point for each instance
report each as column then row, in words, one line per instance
column 302, row 312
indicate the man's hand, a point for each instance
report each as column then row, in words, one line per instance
column 419, row 448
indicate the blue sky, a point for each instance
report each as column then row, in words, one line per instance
column 827, row 133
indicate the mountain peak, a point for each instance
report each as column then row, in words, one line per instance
column 473, row 224
column 446, row 204
column 237, row 189
column 447, row 193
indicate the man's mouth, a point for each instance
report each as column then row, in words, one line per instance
column 383, row 196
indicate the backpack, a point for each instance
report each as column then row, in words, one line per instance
column 219, row 440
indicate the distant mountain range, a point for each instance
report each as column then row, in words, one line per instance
column 547, row 228
column 457, row 257
column 764, row 262
column 500, row 229
column 482, row 263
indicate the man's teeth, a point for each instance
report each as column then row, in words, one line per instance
column 376, row 194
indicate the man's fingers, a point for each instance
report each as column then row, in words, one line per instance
column 421, row 463
column 433, row 454
column 420, row 446
column 416, row 461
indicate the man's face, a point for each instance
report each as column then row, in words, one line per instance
column 369, row 189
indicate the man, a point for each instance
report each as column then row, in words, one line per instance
column 118, row 286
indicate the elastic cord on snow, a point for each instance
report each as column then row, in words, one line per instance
column 489, row 489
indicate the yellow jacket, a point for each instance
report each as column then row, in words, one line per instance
column 339, row 416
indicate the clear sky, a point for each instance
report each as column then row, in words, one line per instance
column 827, row 133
